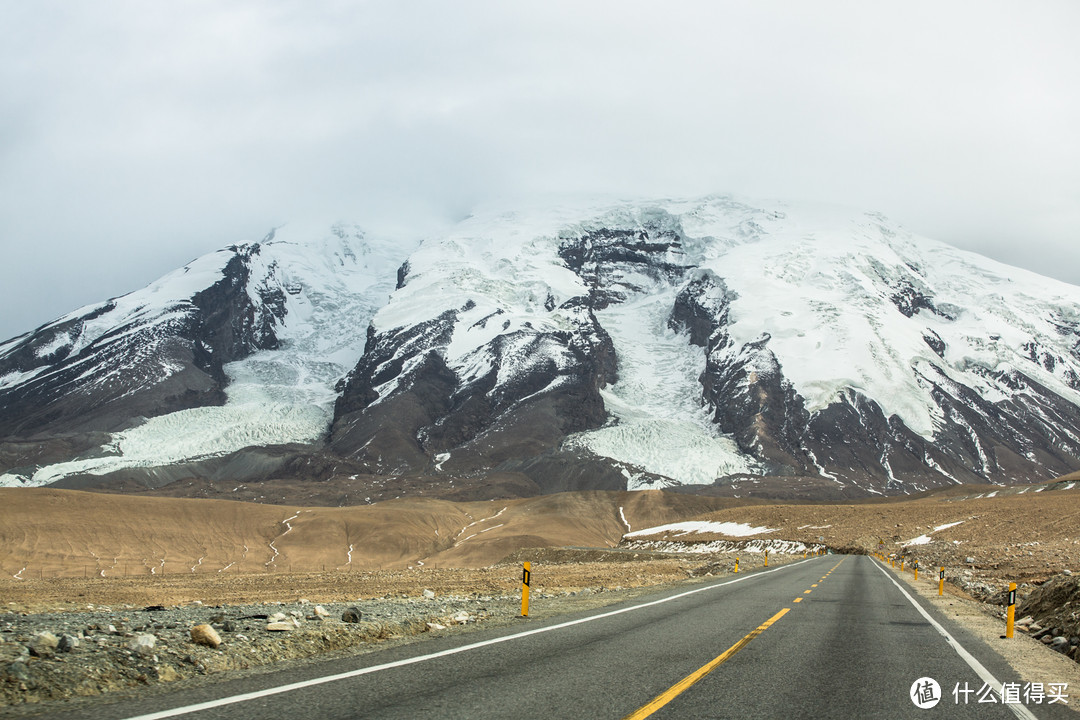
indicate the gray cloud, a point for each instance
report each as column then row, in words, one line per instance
column 136, row 136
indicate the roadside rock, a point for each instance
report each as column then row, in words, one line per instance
column 142, row 644
column 205, row 635
column 352, row 615
column 43, row 644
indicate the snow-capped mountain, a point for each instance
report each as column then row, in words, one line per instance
column 240, row 348
column 622, row 344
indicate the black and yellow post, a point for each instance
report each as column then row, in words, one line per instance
column 766, row 558
column 915, row 567
column 525, row 577
column 1010, row 616
column 941, row 581
column 736, row 564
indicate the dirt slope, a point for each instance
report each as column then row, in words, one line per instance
column 66, row 533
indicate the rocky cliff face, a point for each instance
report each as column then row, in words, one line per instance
column 606, row 346
column 142, row 355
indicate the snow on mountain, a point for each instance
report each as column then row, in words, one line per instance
column 315, row 290
column 720, row 337
column 593, row 344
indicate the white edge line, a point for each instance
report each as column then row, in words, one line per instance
column 1019, row 710
column 442, row 653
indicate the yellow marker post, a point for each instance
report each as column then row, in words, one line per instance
column 766, row 558
column 902, row 564
column 736, row 564
column 525, row 577
column 916, row 567
column 1010, row 616
column 941, row 581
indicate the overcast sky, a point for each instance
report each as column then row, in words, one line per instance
column 135, row 136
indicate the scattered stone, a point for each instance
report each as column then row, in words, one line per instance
column 969, row 560
column 278, row 617
column 205, row 635
column 43, row 644
column 67, row 643
column 1046, row 639
column 154, row 608
column 320, row 612
column 142, row 644
column 462, row 617
column 429, row 594
column 1059, row 643
column 166, row 673
column 435, row 626
column 280, row 626
column 352, row 615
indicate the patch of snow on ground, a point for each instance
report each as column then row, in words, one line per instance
column 947, row 525
column 757, row 546
column 731, row 529
column 926, row 539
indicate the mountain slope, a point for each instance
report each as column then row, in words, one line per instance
column 707, row 342
column 721, row 339
column 240, row 348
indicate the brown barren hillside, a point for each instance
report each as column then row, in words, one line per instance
column 1021, row 532
column 66, row 533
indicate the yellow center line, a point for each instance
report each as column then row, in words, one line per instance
column 807, row 592
column 797, row 600
column 814, row 585
column 678, row 688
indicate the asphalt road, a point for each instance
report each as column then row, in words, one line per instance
column 828, row 637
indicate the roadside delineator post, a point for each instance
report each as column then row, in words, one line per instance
column 525, row 573
column 1010, row 615
column 902, row 561
column 915, row 565
column 941, row 581
column 766, row 558
column 736, row 564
